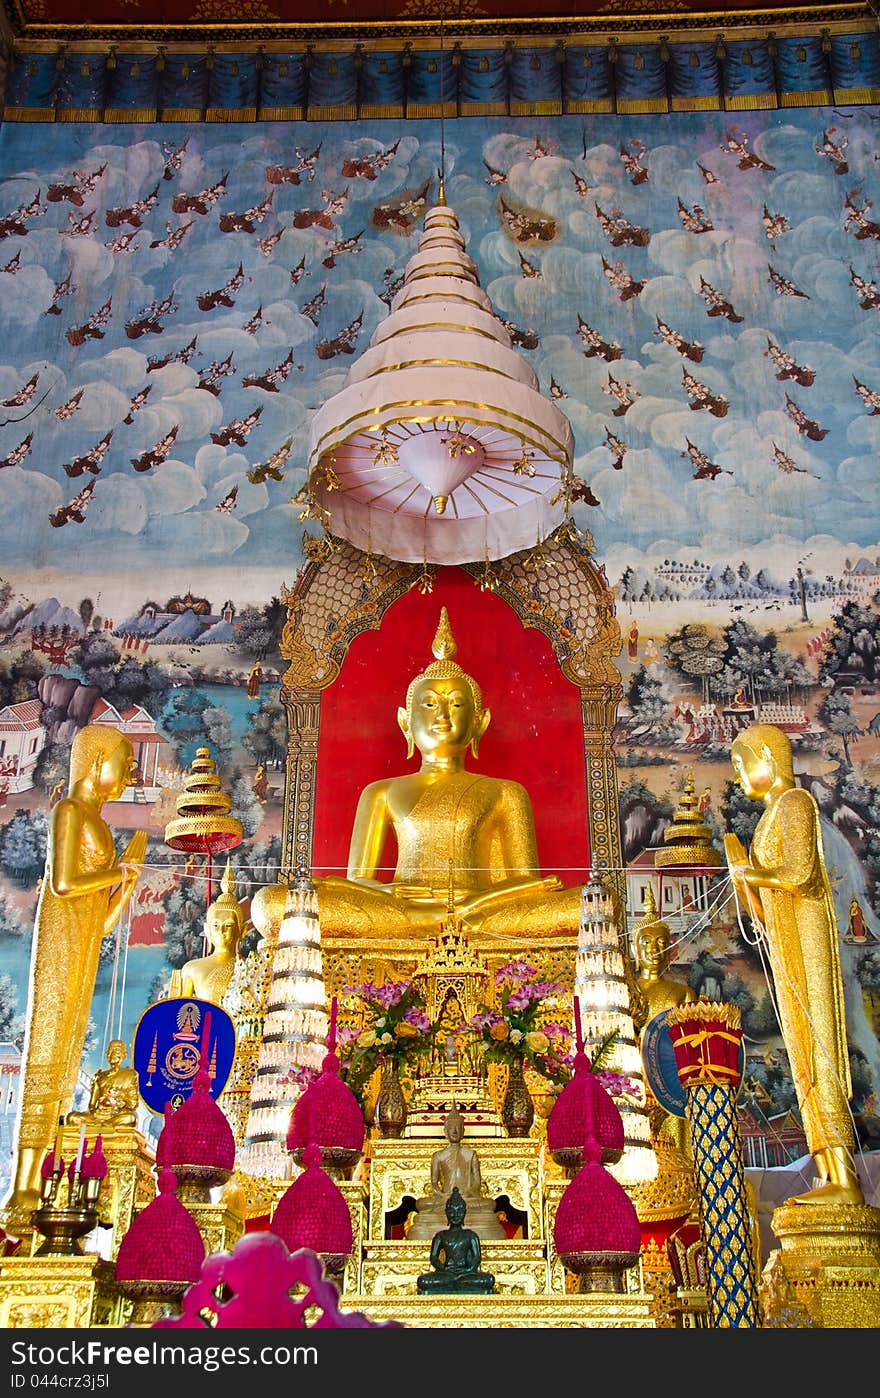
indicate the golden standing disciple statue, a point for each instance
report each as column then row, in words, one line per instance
column 443, row 816
column 85, row 888
column 208, row 977
column 784, row 882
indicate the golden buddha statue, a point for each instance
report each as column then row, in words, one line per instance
column 784, row 883
column 208, row 977
column 455, row 1166
column 442, row 816
column 84, row 890
column 113, row 1100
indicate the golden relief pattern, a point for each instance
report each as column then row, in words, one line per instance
column 246, row 12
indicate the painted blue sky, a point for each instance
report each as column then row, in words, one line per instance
column 828, row 498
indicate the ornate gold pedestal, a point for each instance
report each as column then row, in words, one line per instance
column 55, row 1293
column 401, row 1170
column 600, row 1310
column 828, row 1266
column 220, row 1226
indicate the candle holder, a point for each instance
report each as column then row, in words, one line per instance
column 69, row 1207
column 62, row 1229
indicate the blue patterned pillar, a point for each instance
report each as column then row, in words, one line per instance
column 707, row 1040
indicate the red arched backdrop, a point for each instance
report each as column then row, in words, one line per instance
column 535, row 736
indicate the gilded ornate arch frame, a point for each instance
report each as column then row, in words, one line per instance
column 556, row 588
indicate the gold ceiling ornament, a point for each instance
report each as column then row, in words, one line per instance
column 458, row 442
column 440, row 426
column 539, row 559
column 425, row 581
column 524, row 465
column 385, row 450
column 318, row 548
column 486, row 578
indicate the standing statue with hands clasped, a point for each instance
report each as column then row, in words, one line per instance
column 84, row 891
column 784, row 883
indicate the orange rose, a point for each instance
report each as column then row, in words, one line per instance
column 405, row 1030
column 499, row 1031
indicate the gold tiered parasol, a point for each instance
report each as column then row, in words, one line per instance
column 203, row 824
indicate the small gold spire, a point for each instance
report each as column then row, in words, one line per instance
column 440, row 503
column 444, row 647
column 441, row 192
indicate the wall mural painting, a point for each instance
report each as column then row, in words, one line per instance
column 700, row 293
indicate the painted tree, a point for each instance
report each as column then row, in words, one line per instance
column 755, row 662
column 697, row 653
column 217, row 728
column 139, row 682
column 739, row 813
column 11, row 1021
column 256, row 632
column 266, row 736
column 836, row 712
column 20, row 673
column 11, row 924
column 854, row 643
column 23, row 847
column 645, row 697
column 246, row 806
column 184, row 909
column 52, row 766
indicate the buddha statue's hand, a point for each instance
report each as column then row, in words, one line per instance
column 135, row 853
column 502, row 891
column 412, row 892
column 131, row 865
column 742, row 875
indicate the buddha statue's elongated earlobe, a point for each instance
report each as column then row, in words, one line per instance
column 481, row 723
column 406, row 730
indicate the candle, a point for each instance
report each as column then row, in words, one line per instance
column 79, row 1150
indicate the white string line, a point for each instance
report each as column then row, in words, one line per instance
column 111, row 1001
column 759, row 942
column 124, row 968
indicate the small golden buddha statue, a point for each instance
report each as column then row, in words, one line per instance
column 208, row 977
column 114, row 1097
column 784, row 883
column 455, row 1166
column 442, row 816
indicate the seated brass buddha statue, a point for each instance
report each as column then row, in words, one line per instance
column 444, row 817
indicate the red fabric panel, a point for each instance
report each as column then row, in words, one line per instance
column 535, row 736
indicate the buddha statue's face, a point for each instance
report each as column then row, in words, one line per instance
column 441, row 719
column 116, row 771
column 455, row 1211
column 224, row 929
column 454, row 1129
column 654, row 948
column 754, row 772
column 116, row 1051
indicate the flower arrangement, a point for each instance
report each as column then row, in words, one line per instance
column 395, row 1028
column 518, row 1027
